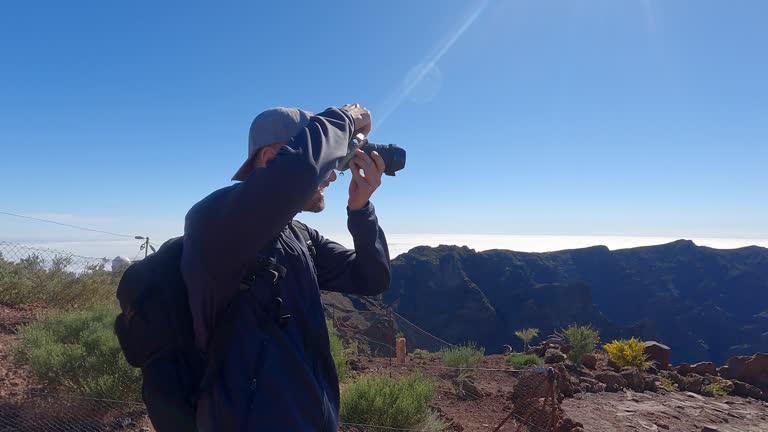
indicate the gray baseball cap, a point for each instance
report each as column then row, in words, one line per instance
column 270, row 127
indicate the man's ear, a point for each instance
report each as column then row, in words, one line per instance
column 267, row 153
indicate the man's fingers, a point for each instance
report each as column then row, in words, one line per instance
column 354, row 166
column 357, row 177
column 368, row 165
column 380, row 165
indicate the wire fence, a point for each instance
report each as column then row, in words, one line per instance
column 36, row 412
column 34, row 257
column 23, row 269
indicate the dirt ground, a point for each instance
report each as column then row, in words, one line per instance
column 26, row 406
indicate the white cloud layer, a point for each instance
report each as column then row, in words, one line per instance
column 401, row 243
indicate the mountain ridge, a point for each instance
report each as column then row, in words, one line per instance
column 706, row 303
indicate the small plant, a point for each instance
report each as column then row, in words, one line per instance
column 79, row 351
column 527, row 335
column 464, row 387
column 668, row 385
column 628, row 353
column 524, row 360
column 462, row 356
column 583, row 340
column 390, row 403
column 338, row 352
column 434, row 423
column 717, row 388
column 424, row 354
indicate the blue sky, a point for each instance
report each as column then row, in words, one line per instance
column 588, row 118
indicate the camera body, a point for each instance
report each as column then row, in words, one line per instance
column 393, row 155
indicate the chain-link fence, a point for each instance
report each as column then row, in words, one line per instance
column 42, row 412
column 47, row 276
column 34, row 257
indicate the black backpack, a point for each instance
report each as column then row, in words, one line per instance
column 156, row 334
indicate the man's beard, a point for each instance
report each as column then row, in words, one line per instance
column 316, row 204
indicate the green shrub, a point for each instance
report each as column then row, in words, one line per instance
column 462, row 356
column 32, row 281
column 424, row 354
column 79, row 351
column 667, row 384
column 527, row 335
column 524, row 360
column 628, row 353
column 389, row 403
column 434, row 423
column 717, row 388
column 338, row 352
column 583, row 340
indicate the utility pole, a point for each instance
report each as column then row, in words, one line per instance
column 145, row 246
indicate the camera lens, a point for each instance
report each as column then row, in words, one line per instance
column 393, row 155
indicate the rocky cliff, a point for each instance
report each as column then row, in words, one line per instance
column 705, row 303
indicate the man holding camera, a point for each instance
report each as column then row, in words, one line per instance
column 270, row 366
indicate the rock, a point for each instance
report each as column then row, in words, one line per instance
column 743, row 389
column 589, row 385
column 650, row 382
column 551, row 343
column 710, row 429
column 566, row 384
column 466, row 389
column 684, row 369
column 553, row 356
column 748, row 369
column 589, row 361
column 728, row 386
column 658, row 353
column 568, row 425
column 355, row 365
column 674, row 377
column 693, row 384
column 704, row 368
column 613, row 381
column 634, row 378
column 611, row 364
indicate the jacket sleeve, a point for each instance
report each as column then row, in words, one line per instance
column 223, row 227
column 364, row 270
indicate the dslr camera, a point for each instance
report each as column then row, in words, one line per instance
column 393, row 155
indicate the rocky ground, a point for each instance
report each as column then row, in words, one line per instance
column 678, row 411
column 595, row 397
column 592, row 410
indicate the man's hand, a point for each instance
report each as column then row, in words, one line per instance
column 361, row 116
column 364, row 185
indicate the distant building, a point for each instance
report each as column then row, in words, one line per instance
column 120, row 263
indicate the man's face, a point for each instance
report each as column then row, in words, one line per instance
column 316, row 204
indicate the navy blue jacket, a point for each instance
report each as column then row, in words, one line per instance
column 269, row 378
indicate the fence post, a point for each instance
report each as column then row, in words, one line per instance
column 401, row 350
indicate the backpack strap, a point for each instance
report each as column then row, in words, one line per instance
column 304, row 231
